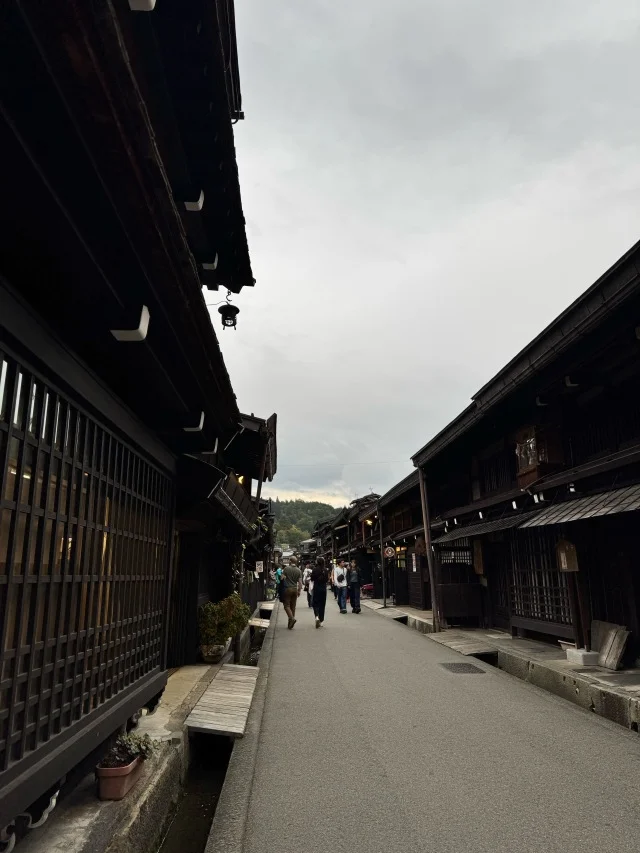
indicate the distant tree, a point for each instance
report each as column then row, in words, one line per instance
column 295, row 519
column 295, row 535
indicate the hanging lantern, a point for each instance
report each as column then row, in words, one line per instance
column 229, row 314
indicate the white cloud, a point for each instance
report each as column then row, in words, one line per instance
column 425, row 189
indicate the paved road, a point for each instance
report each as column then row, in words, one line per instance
column 370, row 746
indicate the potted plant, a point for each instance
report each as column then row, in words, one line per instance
column 218, row 623
column 120, row 768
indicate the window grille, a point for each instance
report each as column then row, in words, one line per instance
column 85, row 526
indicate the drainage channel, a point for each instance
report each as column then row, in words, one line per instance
column 254, row 650
column 209, row 757
column 488, row 657
column 192, row 820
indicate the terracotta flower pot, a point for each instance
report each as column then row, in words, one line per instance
column 114, row 783
column 215, row 653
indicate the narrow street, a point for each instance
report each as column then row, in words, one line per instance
column 369, row 744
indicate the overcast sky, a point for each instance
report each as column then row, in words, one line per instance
column 427, row 184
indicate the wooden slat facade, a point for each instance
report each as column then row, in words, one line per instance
column 85, row 540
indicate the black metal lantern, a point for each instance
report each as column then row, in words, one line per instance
column 229, row 314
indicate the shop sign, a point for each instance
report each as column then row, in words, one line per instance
column 567, row 556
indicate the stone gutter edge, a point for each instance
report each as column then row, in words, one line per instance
column 578, row 688
column 228, row 830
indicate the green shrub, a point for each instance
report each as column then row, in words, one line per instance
column 217, row 622
column 127, row 748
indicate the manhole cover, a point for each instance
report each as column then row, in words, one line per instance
column 463, row 668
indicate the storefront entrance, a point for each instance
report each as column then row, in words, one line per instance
column 497, row 561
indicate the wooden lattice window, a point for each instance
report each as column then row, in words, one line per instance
column 497, row 472
column 84, row 542
column 456, row 562
column 538, row 590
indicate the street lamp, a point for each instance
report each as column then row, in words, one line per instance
column 229, row 315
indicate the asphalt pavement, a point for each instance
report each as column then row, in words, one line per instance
column 369, row 744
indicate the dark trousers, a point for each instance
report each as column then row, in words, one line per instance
column 309, row 598
column 319, row 601
column 354, row 595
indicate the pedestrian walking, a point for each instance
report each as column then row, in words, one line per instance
column 340, row 581
column 307, row 583
column 353, row 579
column 319, row 580
column 292, row 578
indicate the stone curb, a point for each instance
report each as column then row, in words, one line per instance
column 227, row 833
column 579, row 689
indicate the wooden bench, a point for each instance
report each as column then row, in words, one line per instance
column 255, row 622
column 223, row 708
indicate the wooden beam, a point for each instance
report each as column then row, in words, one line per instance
column 427, row 541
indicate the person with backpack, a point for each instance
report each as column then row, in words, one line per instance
column 340, row 582
column 353, row 580
column 279, row 584
column 319, row 581
column 292, row 583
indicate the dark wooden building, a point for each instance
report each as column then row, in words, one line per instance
column 120, row 200
column 334, row 535
column 225, row 530
column 534, row 489
column 399, row 512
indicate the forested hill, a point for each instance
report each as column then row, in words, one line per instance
column 296, row 519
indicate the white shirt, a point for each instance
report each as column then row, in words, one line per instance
column 340, row 570
column 306, row 578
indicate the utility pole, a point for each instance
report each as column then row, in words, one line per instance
column 384, row 574
column 427, row 542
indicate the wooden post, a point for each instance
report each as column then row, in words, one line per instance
column 384, row 575
column 584, row 613
column 262, row 470
column 575, row 608
column 429, row 549
column 567, row 557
